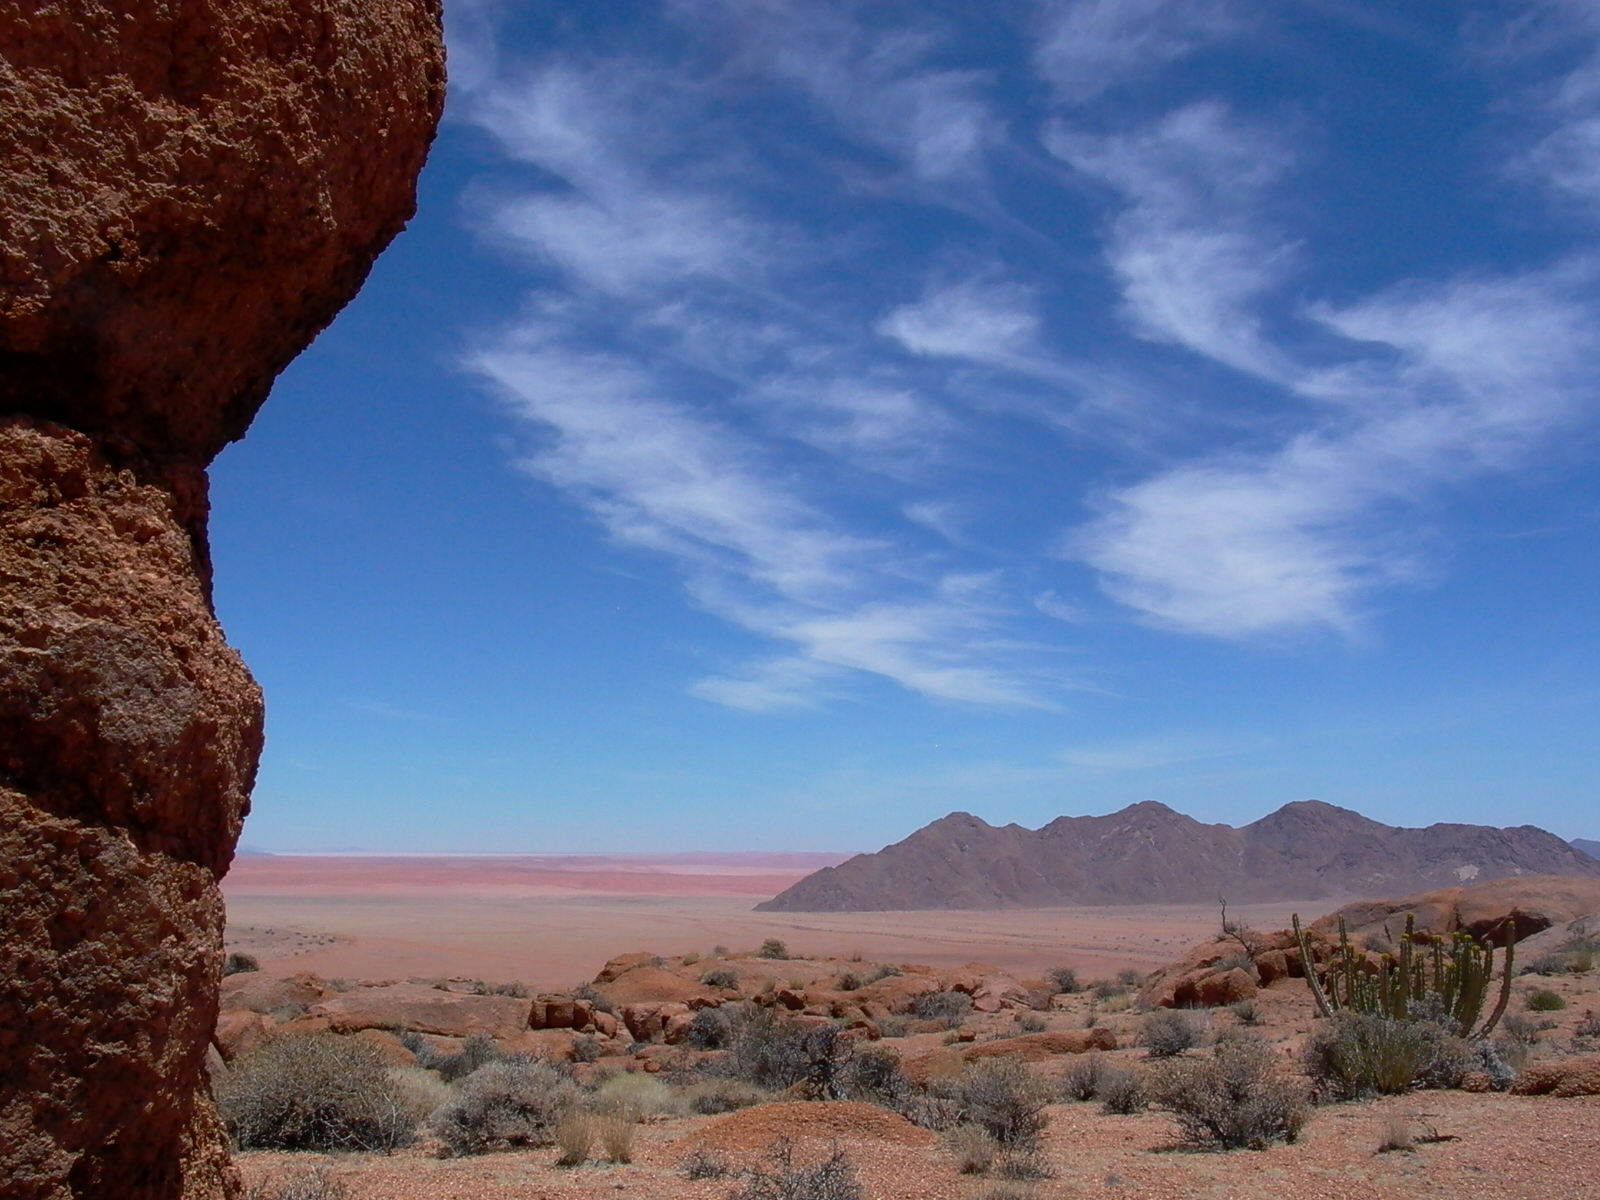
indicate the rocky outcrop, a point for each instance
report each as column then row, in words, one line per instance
column 192, row 191
column 1148, row 853
column 424, row 1009
column 1566, row 1077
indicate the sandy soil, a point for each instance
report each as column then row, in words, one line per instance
column 551, row 922
column 1504, row 1148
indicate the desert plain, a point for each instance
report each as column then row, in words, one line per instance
column 551, row 921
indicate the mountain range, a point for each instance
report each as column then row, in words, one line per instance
column 1148, row 853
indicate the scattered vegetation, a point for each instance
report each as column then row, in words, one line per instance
column 1122, row 1092
column 703, row 1164
column 1357, row 1055
column 1544, row 1000
column 949, row 1007
column 477, row 1051
column 1246, row 1012
column 1006, row 1099
column 315, row 1184
column 774, row 948
column 315, row 1091
column 507, row 1103
column 1443, row 982
column 1082, row 1079
column 1064, row 979
column 832, row 1179
column 616, row 1137
column 1233, row 1100
column 238, row 962
column 575, row 1136
column 1031, row 1023
column 1168, row 1032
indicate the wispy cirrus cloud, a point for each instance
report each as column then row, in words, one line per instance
column 785, row 315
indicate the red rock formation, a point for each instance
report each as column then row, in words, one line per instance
column 192, row 190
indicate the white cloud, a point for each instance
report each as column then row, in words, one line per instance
column 1190, row 249
column 986, row 321
column 1091, row 46
column 1481, row 371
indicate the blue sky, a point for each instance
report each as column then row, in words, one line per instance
column 787, row 422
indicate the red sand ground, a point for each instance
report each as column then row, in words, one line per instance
column 551, row 921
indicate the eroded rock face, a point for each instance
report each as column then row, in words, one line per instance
column 192, row 190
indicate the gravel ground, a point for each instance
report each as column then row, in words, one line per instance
column 1504, row 1148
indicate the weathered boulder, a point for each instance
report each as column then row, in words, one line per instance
column 261, row 992
column 423, row 1009
column 192, row 190
column 1036, row 1047
column 1564, row 1077
column 645, row 984
column 240, row 1031
column 1527, row 903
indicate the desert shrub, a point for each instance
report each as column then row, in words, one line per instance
column 1544, row 1000
column 719, row 951
column 712, row 1096
column 478, row 1050
column 1083, row 1076
column 849, row 982
column 1246, row 1012
column 1122, row 1092
column 1064, row 979
column 1377, row 943
column 1234, row 1100
column 1032, row 1023
column 1397, row 1134
column 1108, row 989
column 892, row 1026
column 874, row 1074
column 883, row 971
column 773, row 948
column 635, row 1097
column 1520, row 1029
column 1007, row 1099
column 950, row 1007
column 1129, row 978
column 595, row 997
column 575, row 1137
column 720, row 977
column 1546, row 964
column 586, row 1048
column 507, row 1103
column 1357, row 1055
column 421, row 1092
column 713, row 1028
column 315, row 1091
column 616, row 1138
column 1167, row 1032
column 1029, row 1165
column 238, row 963
column 973, row 1147
column 1486, row 1057
column 776, row 1052
column 691, row 958
column 315, row 1184
column 832, row 1179
column 703, row 1164
column 1588, row 1027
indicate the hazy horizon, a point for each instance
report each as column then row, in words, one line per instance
column 784, row 424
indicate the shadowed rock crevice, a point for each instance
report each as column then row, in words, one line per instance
column 192, row 191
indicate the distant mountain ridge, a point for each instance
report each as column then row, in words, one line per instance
column 1588, row 845
column 1148, row 853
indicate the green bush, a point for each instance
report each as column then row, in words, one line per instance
column 238, row 962
column 314, row 1091
column 1167, row 1033
column 1544, row 1000
column 720, row 977
column 1234, row 1100
column 773, row 948
column 1356, row 1055
column 506, row 1104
